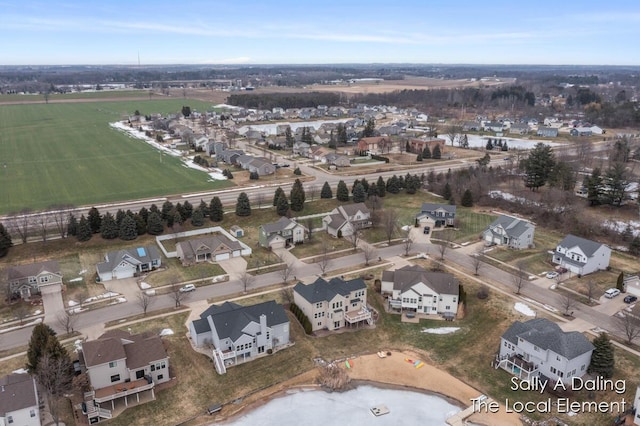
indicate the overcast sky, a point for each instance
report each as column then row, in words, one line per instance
column 315, row 32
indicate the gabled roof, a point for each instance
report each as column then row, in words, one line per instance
column 336, row 221
column 548, row 335
column 208, row 244
column 351, row 209
column 405, row 278
column 588, row 247
column 230, row 319
column 323, row 291
column 33, row 269
column 134, row 256
column 281, row 224
column 512, row 225
column 430, row 207
column 18, row 392
column 138, row 349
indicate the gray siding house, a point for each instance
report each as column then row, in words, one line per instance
column 547, row 132
column 128, row 263
column 441, row 214
column 511, row 232
column 581, row 256
column 281, row 233
column 344, row 220
column 216, row 247
column 26, row 280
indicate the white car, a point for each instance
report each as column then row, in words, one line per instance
column 611, row 293
column 187, row 288
column 552, row 275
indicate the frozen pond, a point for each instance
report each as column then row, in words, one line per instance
column 352, row 408
column 270, row 129
column 476, row 141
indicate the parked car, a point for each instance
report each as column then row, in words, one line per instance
column 561, row 270
column 552, row 275
column 187, row 288
column 611, row 293
column 630, row 299
column 426, row 230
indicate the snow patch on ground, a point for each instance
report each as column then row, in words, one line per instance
column 524, row 309
column 477, row 141
column 75, row 280
column 144, row 285
column 166, row 332
column 84, row 271
column 621, row 226
column 72, row 303
column 406, row 228
column 20, row 371
column 441, row 330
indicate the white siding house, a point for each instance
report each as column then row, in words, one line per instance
column 511, row 232
column 581, row 256
column 19, row 401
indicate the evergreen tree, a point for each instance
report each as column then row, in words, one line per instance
column 204, row 208
column 353, row 187
column 282, row 207
column 326, row 191
column 467, row 199
column 197, row 218
column 365, row 185
column 43, row 341
column 84, row 230
column 436, row 154
column 342, row 193
column 595, row 187
column 381, row 186
column 358, row 194
column 128, row 229
column 297, row 171
column 120, row 214
column 369, row 128
column 306, row 136
column 426, row 152
column 155, row 209
column 94, row 219
column 297, row 196
column 602, row 358
column 167, row 208
column 634, row 246
column 141, row 224
column 446, row 193
column 279, row 193
column 177, row 218
column 171, row 217
column 419, row 157
column 187, row 210
column 109, row 227
column 216, row 213
column 538, row 166
column 72, row 225
column 373, row 190
column 504, row 147
column 464, row 141
column 393, row 185
column 243, row 207
column 407, row 147
column 5, row 241
column 154, row 224
column 289, row 140
column 144, row 213
column 332, row 140
column 489, row 145
column 620, row 282
column 411, row 184
column 180, row 209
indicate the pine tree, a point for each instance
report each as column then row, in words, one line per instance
column 369, row 128
column 326, row 192
column 141, row 224
column 279, row 192
column 373, row 190
column 84, row 230
column 467, row 199
column 634, row 246
column 489, row 145
column 38, row 344
column 94, row 219
column 426, row 152
column 411, row 184
column 243, row 206
column 216, row 213
column 436, row 154
column 155, row 209
column 120, row 214
column 353, row 187
column 393, row 185
column 297, row 196
column 407, row 147
column 419, row 157
column 342, row 193
column 5, row 241
column 288, row 137
column 204, row 208
column 359, row 195
column 109, row 227
column 595, row 187
column 167, row 208
column 446, row 193
column 297, row 171
column 154, row 224
column 197, row 218
column 128, row 229
column 282, row 207
column 187, row 210
column 72, row 225
column 176, row 219
column 538, row 166
column 504, row 147
column 602, row 358
column 620, row 282
column 144, row 213
column 365, row 185
column 381, row 186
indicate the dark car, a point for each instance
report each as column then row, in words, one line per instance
column 426, row 230
column 630, row 299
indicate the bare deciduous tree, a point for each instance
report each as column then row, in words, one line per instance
column 55, row 378
column 447, row 237
column 324, row 260
column 629, row 325
column 246, row 280
column 67, row 320
column 18, row 223
column 369, row 252
column 568, row 303
column 144, row 301
column 308, row 223
column 21, row 312
column 453, row 131
column 177, row 295
column 519, row 279
column 591, row 289
column 60, row 216
column 407, row 243
column 476, row 261
column 312, row 191
column 287, row 270
column 259, row 199
column 389, row 222
column 354, row 237
column 287, row 295
column 42, row 223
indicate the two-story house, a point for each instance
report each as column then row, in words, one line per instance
column 281, row 233
column 240, row 333
column 439, row 214
column 510, row 231
column 413, row 288
column 581, row 256
column 375, row 145
column 25, row 280
column 539, row 347
column 19, row 401
column 333, row 304
column 344, row 220
column 128, row 263
column 121, row 366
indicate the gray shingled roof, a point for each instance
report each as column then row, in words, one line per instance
column 18, row 392
column 280, row 225
column 131, row 255
column 138, row 349
column 513, row 226
column 212, row 242
column 323, row 291
column 429, row 207
column 548, row 335
column 32, row 269
column 589, row 247
column 230, row 319
column 405, row 278
column 351, row 209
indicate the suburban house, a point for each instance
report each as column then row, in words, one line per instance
column 547, row 132
column 282, row 233
column 337, row 160
column 19, row 400
column 122, row 368
column 344, row 220
column 333, row 304
column 519, row 129
column 375, row 145
column 240, row 333
column 493, row 126
column 262, row 166
column 581, row 131
column 418, row 145
column 539, row 348
column 128, row 263
column 441, row 214
column 29, row 279
column 413, row 288
column 510, row 231
column 213, row 247
column 581, row 256
column 301, row 148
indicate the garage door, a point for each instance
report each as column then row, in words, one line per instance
column 279, row 244
column 122, row 273
column 222, row 256
column 236, row 253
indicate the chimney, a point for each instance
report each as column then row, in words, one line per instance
column 263, row 324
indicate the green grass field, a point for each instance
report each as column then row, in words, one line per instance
column 102, row 94
column 68, row 154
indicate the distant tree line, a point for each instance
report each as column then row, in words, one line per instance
column 284, row 100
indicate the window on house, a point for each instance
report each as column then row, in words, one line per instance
column 319, row 323
column 113, row 364
column 139, row 374
column 32, row 280
column 160, row 376
column 9, row 419
column 448, row 308
column 115, row 378
column 44, row 279
column 32, row 413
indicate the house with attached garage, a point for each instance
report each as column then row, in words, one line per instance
column 213, row 247
column 509, row 231
column 121, row 367
column 344, row 220
column 333, row 304
column 539, row 348
column 581, row 256
column 27, row 280
column 240, row 333
column 547, row 132
column 19, row 400
column 128, row 263
column 282, row 233
column 438, row 214
column 415, row 289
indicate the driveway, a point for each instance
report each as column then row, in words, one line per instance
column 52, row 303
column 127, row 287
column 234, row 267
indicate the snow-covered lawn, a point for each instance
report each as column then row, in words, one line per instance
column 166, row 332
column 441, row 330
column 524, row 309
